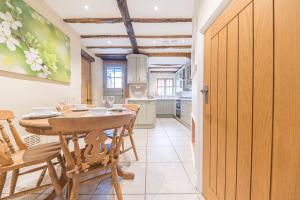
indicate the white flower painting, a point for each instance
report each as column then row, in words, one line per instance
column 32, row 43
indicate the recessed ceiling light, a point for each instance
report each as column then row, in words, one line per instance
column 156, row 8
column 108, row 42
column 183, row 41
column 86, row 7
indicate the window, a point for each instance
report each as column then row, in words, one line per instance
column 165, row 87
column 114, row 77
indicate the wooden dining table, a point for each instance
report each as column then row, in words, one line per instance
column 43, row 128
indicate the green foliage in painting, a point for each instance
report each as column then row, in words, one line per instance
column 31, row 45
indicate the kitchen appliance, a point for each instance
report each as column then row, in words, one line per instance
column 178, row 108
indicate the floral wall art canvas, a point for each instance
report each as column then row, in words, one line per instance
column 31, row 45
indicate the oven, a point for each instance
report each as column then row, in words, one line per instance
column 178, row 108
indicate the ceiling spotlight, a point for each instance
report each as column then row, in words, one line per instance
column 86, row 7
column 156, row 8
column 108, row 42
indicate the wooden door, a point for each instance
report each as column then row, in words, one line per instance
column 251, row 119
column 86, row 81
column 286, row 146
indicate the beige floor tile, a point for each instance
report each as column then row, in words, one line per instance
column 180, row 141
column 185, row 153
column 140, row 141
column 113, row 197
column 161, row 154
column 177, row 133
column 140, row 132
column 136, row 186
column 189, row 168
column 156, row 133
column 129, row 155
column 167, row 178
column 161, row 141
column 173, row 197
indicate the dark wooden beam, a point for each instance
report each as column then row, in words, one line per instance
column 167, row 68
column 165, row 54
column 112, row 56
column 94, row 20
column 109, row 47
column 169, row 54
column 160, row 20
column 122, row 4
column 138, row 36
column 141, row 47
column 87, row 56
column 120, row 20
column 167, row 64
column 162, row 72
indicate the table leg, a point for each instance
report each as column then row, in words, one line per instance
column 123, row 174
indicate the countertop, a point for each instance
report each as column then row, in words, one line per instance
column 140, row 99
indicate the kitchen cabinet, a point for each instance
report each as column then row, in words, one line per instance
column 137, row 68
column 165, row 107
column 183, row 78
column 147, row 115
column 186, row 110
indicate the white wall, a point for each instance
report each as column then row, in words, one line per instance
column 204, row 14
column 153, row 81
column 21, row 93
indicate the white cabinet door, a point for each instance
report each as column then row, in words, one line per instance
column 169, row 106
column 151, row 110
column 142, row 70
column 131, row 71
column 159, row 107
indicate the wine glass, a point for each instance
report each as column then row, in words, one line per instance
column 104, row 100
column 110, row 100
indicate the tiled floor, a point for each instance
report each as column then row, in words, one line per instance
column 164, row 170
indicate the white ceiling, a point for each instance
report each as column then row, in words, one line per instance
column 75, row 8
column 137, row 9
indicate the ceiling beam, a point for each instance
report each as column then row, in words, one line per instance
column 160, row 20
column 162, row 72
column 169, row 54
column 112, row 56
column 166, row 64
column 120, row 20
column 167, row 68
column 166, row 54
column 122, row 4
column 141, row 47
column 87, row 56
column 138, row 36
column 94, row 20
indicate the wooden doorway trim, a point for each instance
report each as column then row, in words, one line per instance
column 86, row 78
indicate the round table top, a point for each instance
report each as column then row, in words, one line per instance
column 42, row 126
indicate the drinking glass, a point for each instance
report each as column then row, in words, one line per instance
column 110, row 100
column 104, row 100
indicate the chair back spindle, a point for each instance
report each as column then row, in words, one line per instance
column 5, row 155
column 8, row 116
column 95, row 150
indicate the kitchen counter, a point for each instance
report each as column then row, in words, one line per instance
column 147, row 116
column 140, row 99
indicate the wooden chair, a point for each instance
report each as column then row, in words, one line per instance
column 129, row 130
column 96, row 155
column 13, row 160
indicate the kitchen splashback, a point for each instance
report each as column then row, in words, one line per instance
column 138, row 90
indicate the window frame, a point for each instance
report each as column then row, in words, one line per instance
column 165, row 87
column 114, row 77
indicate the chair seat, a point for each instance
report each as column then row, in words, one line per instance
column 110, row 133
column 34, row 155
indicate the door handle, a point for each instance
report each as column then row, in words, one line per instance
column 204, row 91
